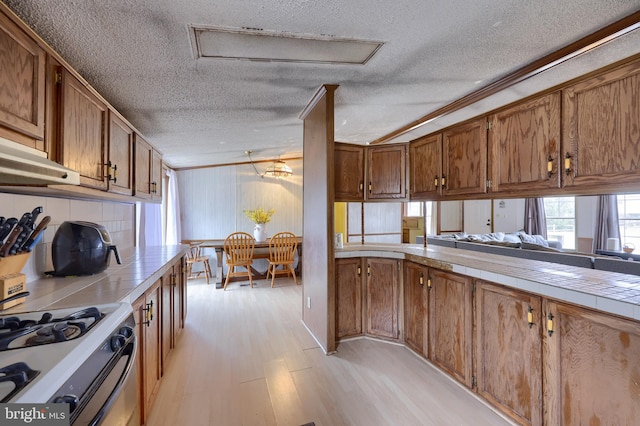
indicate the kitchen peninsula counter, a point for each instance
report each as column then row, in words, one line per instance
column 140, row 268
column 609, row 292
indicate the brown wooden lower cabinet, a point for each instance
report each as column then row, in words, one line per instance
column 348, row 297
column 416, row 307
column 592, row 368
column 450, row 324
column 382, row 297
column 508, row 351
column 156, row 330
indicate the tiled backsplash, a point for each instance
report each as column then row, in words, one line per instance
column 118, row 218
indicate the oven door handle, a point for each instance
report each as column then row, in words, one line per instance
column 123, row 378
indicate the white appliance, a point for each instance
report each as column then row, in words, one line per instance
column 84, row 357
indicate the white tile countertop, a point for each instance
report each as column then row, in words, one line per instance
column 605, row 291
column 140, row 268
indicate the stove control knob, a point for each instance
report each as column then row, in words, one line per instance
column 117, row 342
column 70, row 399
column 126, row 331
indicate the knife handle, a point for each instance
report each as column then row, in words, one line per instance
column 29, row 243
column 11, row 239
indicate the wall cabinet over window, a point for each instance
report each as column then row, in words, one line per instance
column 464, row 150
column 148, row 170
column 601, row 139
column 386, row 172
column 385, row 177
column 22, row 86
column 524, row 146
column 425, row 159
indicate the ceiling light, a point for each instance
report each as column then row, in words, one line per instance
column 279, row 170
column 272, row 46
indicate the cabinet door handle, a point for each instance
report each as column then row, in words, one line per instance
column 567, row 163
column 421, row 279
column 443, row 182
column 550, row 165
column 436, row 181
column 550, row 324
column 370, row 187
column 429, row 283
column 148, row 314
column 359, row 271
column 368, row 270
column 530, row 317
column 361, row 186
column 174, row 279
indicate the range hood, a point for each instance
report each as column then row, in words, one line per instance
column 21, row 165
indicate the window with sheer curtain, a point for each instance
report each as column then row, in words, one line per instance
column 629, row 218
column 561, row 220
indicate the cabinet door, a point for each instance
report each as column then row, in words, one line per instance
column 382, row 297
column 152, row 344
column 22, row 88
column 464, row 150
column 120, row 173
column 450, row 324
column 425, row 156
column 600, row 129
column 177, row 318
column 167, row 320
column 348, row 172
column 143, row 161
column 508, row 351
column 416, row 305
column 156, row 174
column 140, row 317
column 83, row 124
column 348, row 297
column 386, row 172
column 524, row 142
column 592, row 368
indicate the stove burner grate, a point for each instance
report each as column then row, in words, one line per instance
column 20, row 374
column 46, row 330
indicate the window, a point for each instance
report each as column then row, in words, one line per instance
column 629, row 217
column 413, row 209
column 561, row 220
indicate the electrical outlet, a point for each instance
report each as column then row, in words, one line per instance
column 308, row 302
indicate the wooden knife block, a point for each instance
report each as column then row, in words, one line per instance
column 11, row 280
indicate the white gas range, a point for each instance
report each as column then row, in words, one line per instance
column 81, row 356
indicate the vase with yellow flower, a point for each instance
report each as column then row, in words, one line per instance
column 260, row 217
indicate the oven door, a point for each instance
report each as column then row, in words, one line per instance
column 113, row 401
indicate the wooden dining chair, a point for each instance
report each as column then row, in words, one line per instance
column 238, row 249
column 194, row 256
column 282, row 251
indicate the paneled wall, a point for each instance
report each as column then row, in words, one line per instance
column 212, row 200
column 118, row 218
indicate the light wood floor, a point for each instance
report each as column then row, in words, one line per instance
column 245, row 358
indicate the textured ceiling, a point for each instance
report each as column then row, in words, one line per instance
column 137, row 54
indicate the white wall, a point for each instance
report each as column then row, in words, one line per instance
column 118, row 218
column 213, row 200
column 382, row 222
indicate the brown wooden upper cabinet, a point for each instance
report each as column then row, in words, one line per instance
column 425, row 167
column 600, row 130
column 148, row 170
column 349, row 172
column 524, row 146
column 385, row 177
column 22, row 86
column 387, row 172
column 83, row 131
column 464, row 150
column 120, row 162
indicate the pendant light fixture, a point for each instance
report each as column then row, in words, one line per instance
column 278, row 169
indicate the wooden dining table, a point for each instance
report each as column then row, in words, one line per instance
column 261, row 251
